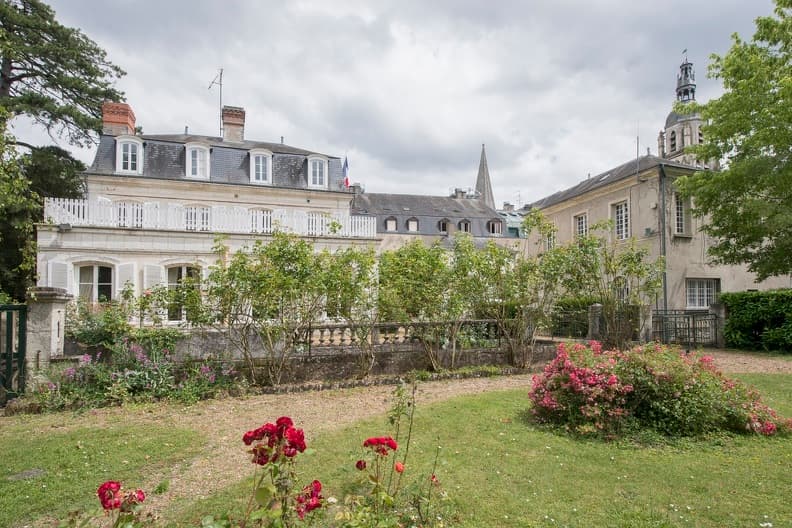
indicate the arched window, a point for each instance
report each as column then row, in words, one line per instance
column 317, row 172
column 442, row 225
column 260, row 166
column 197, row 165
column 391, row 224
column 412, row 225
column 129, row 155
column 464, row 226
column 495, row 227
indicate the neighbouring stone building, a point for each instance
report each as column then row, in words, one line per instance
column 641, row 199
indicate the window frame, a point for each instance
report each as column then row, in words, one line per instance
column 464, row 226
column 621, row 229
column 682, row 216
column 322, row 162
column 198, row 148
column 126, row 209
column 391, row 221
column 442, row 225
column 495, row 227
column 580, row 224
column 672, row 141
column 267, row 157
column 184, row 270
column 95, row 284
column 702, row 290
column 203, row 218
column 121, row 142
column 409, row 223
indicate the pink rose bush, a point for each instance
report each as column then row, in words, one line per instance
column 608, row 392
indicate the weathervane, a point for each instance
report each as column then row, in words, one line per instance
column 218, row 80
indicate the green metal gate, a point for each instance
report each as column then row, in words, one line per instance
column 13, row 321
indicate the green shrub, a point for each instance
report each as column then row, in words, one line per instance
column 569, row 317
column 759, row 320
column 611, row 393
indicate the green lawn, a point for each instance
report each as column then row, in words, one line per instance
column 501, row 471
column 47, row 472
column 498, row 469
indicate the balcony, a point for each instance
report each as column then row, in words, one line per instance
column 204, row 218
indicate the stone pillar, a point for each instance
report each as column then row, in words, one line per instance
column 46, row 325
column 594, row 319
column 719, row 310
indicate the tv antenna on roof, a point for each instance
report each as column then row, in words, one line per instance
column 218, row 80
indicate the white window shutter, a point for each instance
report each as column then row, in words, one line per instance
column 58, row 275
column 127, row 274
column 153, row 275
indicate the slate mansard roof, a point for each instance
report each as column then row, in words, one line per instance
column 164, row 157
column 623, row 171
column 428, row 210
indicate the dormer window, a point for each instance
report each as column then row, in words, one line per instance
column 442, row 226
column 412, row 225
column 464, row 226
column 261, row 167
column 197, row 166
column 317, row 172
column 129, row 155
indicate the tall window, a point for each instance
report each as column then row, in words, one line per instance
column 261, row 221
column 197, row 218
column 129, row 155
column 317, row 172
column 701, row 293
column 672, row 141
column 129, row 214
column 549, row 241
column 176, row 274
column 197, row 162
column 581, row 225
column 442, row 225
column 621, row 218
column 96, row 282
column 682, row 221
column 260, row 167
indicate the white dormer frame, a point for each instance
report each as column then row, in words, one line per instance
column 129, row 155
column 264, row 156
column 197, row 161
column 318, row 180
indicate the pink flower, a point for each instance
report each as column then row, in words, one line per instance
column 399, row 467
column 109, row 494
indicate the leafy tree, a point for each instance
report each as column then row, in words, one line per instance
column 748, row 204
column 18, row 209
column 49, row 172
column 54, row 74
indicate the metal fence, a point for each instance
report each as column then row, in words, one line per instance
column 13, row 321
column 686, row 328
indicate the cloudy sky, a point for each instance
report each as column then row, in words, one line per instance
column 409, row 90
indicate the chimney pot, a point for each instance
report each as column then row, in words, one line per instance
column 117, row 119
column 233, row 123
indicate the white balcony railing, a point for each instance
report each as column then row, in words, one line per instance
column 216, row 219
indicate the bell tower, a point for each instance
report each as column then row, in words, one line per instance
column 683, row 129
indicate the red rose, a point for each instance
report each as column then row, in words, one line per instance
column 109, row 494
column 399, row 467
column 296, row 438
column 360, row 464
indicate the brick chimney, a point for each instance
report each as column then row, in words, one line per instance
column 233, row 123
column 117, row 119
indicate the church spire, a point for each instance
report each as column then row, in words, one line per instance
column 686, row 82
column 483, row 183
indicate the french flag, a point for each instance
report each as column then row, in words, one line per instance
column 345, row 169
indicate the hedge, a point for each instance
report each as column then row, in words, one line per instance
column 759, row 320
